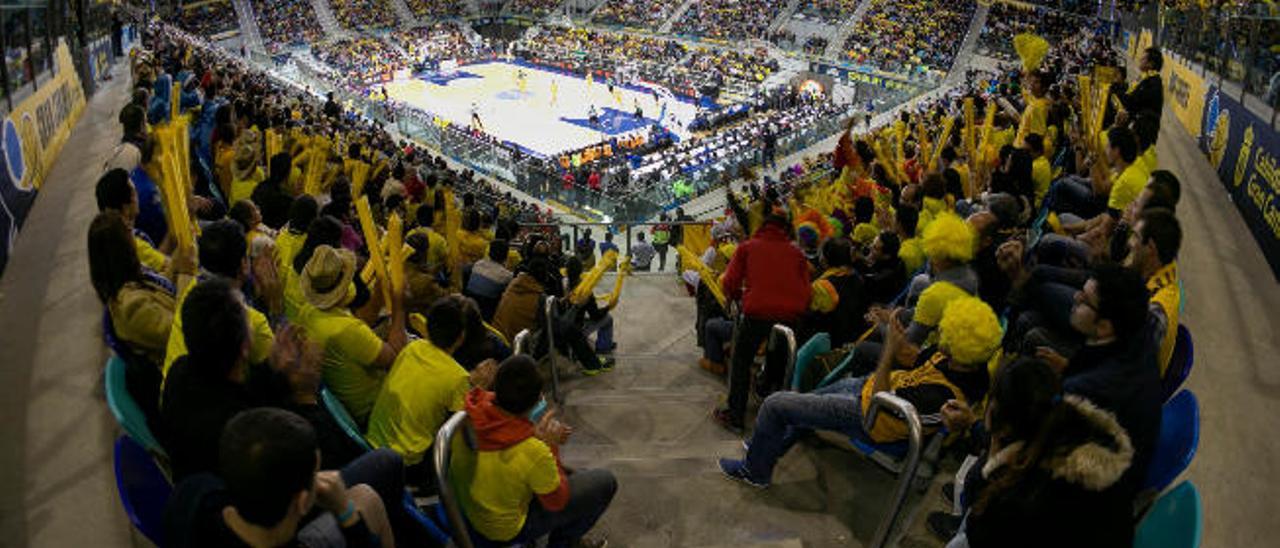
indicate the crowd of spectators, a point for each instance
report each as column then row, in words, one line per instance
column 436, row 9
column 728, row 20
column 1008, row 20
column 427, row 45
column 364, row 14
column 603, row 54
column 751, row 66
column 831, row 12
column 910, row 37
column 749, row 138
column 362, row 59
column 240, row 337
column 536, row 8
column 287, row 22
column 211, row 18
column 636, row 13
column 909, row 256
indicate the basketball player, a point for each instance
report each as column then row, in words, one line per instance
column 593, row 116
column 476, row 124
column 555, row 91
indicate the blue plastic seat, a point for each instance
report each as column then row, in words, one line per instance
column 1180, row 363
column 126, row 410
column 1175, row 521
column 1176, row 446
column 144, row 489
column 428, row 519
column 343, row 417
column 818, row 344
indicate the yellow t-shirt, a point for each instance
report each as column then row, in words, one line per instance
column 1167, row 294
column 504, row 484
column 242, row 189
column 149, row 256
column 350, row 348
column 424, row 387
column 1126, row 186
column 287, row 246
column 261, row 336
column 437, row 247
column 1035, row 119
column 1149, row 160
column 1042, row 176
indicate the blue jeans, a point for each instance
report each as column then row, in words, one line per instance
column 785, row 416
column 383, row 471
column 718, row 332
column 1074, row 194
column 603, row 328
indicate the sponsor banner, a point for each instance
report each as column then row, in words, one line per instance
column 1184, row 92
column 1245, row 151
column 30, row 138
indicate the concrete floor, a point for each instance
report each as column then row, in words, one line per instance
column 647, row 420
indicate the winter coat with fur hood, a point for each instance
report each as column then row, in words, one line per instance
column 1072, row 498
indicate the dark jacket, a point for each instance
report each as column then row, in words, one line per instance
column 193, row 518
column 519, row 307
column 770, row 275
column 844, row 324
column 1147, row 96
column 884, row 280
column 1123, row 379
column 1071, row 499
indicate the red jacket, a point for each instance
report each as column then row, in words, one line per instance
column 770, row 274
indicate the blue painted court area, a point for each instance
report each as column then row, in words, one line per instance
column 444, row 79
column 612, row 122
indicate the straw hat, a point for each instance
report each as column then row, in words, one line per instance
column 326, row 280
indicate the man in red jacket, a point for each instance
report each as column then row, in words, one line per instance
column 771, row 277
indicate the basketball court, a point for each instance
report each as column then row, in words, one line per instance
column 549, row 114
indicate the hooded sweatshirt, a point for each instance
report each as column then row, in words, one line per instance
column 511, row 467
column 770, row 274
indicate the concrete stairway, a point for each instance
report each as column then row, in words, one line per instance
column 408, row 19
column 648, row 421
column 249, row 26
column 846, row 28
column 784, row 15
column 675, row 16
column 965, row 56
column 328, row 21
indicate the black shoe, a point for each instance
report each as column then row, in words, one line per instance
column 949, row 493
column 728, row 422
column 944, row 525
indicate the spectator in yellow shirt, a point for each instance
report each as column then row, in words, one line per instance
column 424, row 387
column 517, row 460
column 355, row 359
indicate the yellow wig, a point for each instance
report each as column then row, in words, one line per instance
column 948, row 237
column 969, row 331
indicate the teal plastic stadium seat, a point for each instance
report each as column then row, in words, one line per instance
column 126, row 410
column 1176, row 520
column 343, row 417
column 817, row 344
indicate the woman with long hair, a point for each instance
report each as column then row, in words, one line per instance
column 1052, row 468
column 141, row 306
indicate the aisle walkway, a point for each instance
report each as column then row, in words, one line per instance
column 57, row 432
column 649, row 422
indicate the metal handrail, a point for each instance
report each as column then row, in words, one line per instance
column 788, row 337
column 518, row 346
column 904, row 410
column 441, row 456
column 550, row 311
